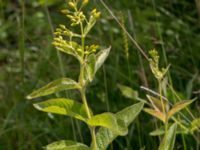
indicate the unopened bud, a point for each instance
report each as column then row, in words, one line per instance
column 71, row 4
column 85, row 2
column 65, row 11
column 62, row 26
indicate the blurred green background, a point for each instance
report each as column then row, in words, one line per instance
column 28, row 61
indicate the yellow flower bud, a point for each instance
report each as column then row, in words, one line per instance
column 71, row 4
column 65, row 11
column 62, row 26
column 85, row 2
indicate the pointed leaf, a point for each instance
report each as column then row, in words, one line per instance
column 128, row 92
column 66, row 145
column 101, row 57
column 108, row 120
column 160, row 131
column 90, row 68
column 169, row 139
column 55, row 86
column 157, row 104
column 155, row 113
column 64, row 107
column 89, row 25
column 105, row 136
column 178, row 106
column 157, row 132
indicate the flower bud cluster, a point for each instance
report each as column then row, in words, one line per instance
column 154, row 65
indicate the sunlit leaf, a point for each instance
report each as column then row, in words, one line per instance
column 55, row 86
column 66, row 145
column 155, row 113
column 169, row 138
column 128, row 92
column 64, row 107
column 178, row 106
column 90, row 68
column 157, row 104
column 108, row 120
column 105, row 136
column 101, row 57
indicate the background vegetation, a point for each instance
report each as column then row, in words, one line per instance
column 28, row 61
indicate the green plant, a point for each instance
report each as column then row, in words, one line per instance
column 162, row 108
column 67, row 41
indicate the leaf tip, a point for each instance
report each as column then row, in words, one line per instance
column 29, row 97
column 37, row 106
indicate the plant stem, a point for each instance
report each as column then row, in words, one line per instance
column 83, row 88
column 163, row 105
column 94, row 138
column 85, row 103
column 92, row 129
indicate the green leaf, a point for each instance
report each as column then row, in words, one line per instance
column 66, row 145
column 169, row 138
column 89, row 25
column 90, row 68
column 157, row 132
column 128, row 92
column 160, row 131
column 101, row 57
column 195, row 125
column 108, row 120
column 157, row 104
column 156, row 114
column 178, row 106
column 64, row 107
column 55, row 86
column 105, row 136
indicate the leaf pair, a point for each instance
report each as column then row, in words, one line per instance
column 112, row 125
column 158, row 109
column 77, row 110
